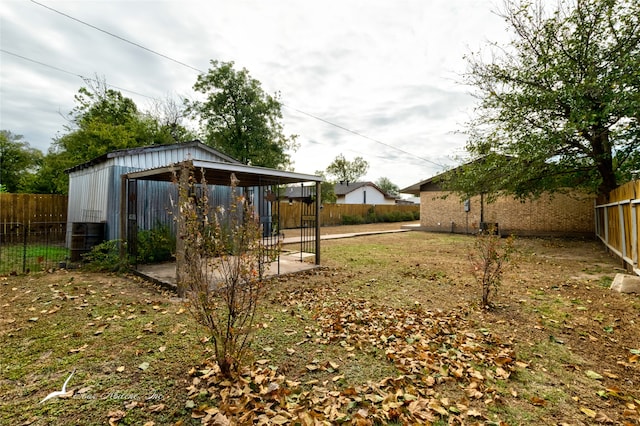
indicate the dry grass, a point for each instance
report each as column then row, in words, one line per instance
column 553, row 310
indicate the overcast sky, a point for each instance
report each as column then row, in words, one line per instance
column 388, row 70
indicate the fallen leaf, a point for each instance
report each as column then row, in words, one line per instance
column 602, row 418
column 80, row 349
column 131, row 405
column 220, row 420
column 593, row 375
column 115, row 416
column 588, row 412
column 279, row 420
column 539, row 402
column 474, row 413
column 120, row 369
column 143, row 366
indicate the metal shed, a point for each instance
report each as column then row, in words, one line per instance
column 262, row 184
column 94, row 186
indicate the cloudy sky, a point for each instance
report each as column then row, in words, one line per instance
column 370, row 78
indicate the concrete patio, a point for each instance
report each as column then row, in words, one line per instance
column 291, row 260
column 165, row 274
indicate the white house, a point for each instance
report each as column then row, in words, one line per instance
column 362, row 193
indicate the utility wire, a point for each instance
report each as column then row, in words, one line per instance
column 73, row 74
column 117, row 36
column 202, row 72
column 40, row 63
column 140, row 94
column 361, row 135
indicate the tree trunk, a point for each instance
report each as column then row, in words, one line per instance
column 604, row 161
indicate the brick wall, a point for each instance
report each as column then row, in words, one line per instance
column 557, row 214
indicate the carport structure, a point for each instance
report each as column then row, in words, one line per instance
column 262, row 186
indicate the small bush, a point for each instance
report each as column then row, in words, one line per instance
column 222, row 260
column 489, row 256
column 373, row 217
column 352, row 220
column 105, row 257
column 156, row 245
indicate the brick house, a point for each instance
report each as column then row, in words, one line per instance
column 559, row 214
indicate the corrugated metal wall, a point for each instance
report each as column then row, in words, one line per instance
column 94, row 192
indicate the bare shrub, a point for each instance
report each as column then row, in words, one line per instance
column 489, row 256
column 221, row 275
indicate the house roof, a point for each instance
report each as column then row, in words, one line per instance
column 218, row 173
column 416, row 187
column 433, row 182
column 149, row 149
column 293, row 192
column 342, row 189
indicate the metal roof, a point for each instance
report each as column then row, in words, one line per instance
column 217, row 173
column 149, row 149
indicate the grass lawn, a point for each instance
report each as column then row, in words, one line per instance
column 388, row 331
column 16, row 258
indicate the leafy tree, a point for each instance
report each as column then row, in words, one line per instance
column 240, row 119
column 327, row 189
column 347, row 171
column 18, row 162
column 51, row 177
column 103, row 121
column 387, row 186
column 560, row 106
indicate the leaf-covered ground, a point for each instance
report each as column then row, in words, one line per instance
column 388, row 331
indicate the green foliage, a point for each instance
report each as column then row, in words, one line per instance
column 559, row 106
column 373, row 217
column 103, row 121
column 344, row 170
column 327, row 189
column 488, row 257
column 352, row 219
column 105, row 257
column 387, row 186
column 156, row 245
column 240, row 119
column 222, row 259
column 18, row 162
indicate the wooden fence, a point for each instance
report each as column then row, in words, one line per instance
column 335, row 214
column 32, row 232
column 29, row 208
column 618, row 223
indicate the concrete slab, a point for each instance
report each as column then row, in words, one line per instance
column 165, row 274
column 291, row 261
column 296, row 239
column 624, row 283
